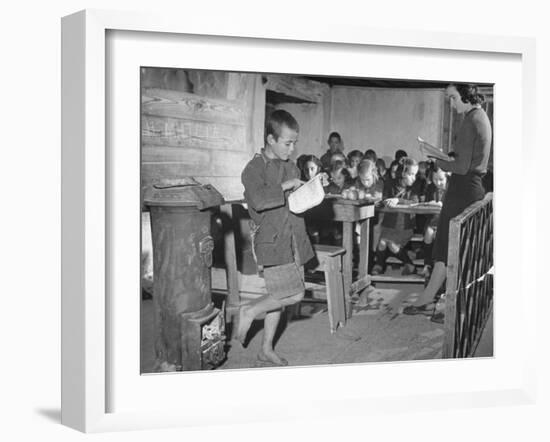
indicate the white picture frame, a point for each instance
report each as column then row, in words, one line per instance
column 86, row 216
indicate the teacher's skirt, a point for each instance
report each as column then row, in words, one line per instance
column 463, row 190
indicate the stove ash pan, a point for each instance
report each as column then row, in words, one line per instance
column 203, row 339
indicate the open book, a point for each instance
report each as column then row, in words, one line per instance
column 307, row 196
column 432, row 151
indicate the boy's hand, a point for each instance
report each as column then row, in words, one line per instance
column 324, row 179
column 391, row 202
column 292, row 184
column 435, row 203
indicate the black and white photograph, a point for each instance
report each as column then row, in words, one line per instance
column 304, row 220
column 243, row 221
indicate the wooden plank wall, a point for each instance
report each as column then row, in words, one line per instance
column 205, row 126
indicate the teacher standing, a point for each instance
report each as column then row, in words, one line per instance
column 469, row 165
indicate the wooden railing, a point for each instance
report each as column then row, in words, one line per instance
column 469, row 288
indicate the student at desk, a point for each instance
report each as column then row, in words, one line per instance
column 335, row 145
column 397, row 228
column 433, row 194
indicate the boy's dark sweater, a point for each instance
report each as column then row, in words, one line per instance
column 268, row 207
column 405, row 195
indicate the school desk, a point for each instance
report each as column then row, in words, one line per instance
column 414, row 209
column 349, row 212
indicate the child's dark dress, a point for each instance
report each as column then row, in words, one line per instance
column 398, row 227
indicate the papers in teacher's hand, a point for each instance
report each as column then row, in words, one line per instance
column 432, row 151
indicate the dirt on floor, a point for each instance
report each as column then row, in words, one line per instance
column 376, row 332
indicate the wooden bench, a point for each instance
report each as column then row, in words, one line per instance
column 330, row 263
column 332, row 292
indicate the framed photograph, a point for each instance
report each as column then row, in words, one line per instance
column 148, row 103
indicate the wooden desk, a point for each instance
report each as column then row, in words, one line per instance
column 415, row 209
column 350, row 212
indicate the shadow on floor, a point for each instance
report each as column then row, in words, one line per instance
column 377, row 332
column 51, row 414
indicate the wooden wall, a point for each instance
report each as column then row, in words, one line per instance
column 387, row 119
column 209, row 124
column 204, row 124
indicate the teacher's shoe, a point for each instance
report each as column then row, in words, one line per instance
column 424, row 309
column 438, row 317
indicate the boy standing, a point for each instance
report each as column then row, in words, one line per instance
column 279, row 240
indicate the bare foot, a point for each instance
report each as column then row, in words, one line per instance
column 243, row 323
column 271, row 357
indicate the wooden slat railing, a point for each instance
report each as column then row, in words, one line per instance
column 469, row 288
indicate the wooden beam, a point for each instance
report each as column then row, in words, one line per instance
column 194, row 162
column 174, row 132
column 175, row 104
column 295, row 87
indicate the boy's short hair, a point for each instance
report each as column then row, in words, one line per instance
column 340, row 167
column 340, row 155
column 276, row 120
column 355, row 154
column 335, row 135
column 400, row 153
column 370, row 154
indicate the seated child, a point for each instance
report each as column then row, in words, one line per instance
column 370, row 155
column 337, row 157
column 400, row 153
column 314, row 217
column 392, row 170
column 368, row 181
column 335, row 144
column 300, row 161
column 397, row 228
column 381, row 169
column 421, row 180
column 311, row 166
column 354, row 158
column 434, row 194
column 340, row 178
column 420, row 190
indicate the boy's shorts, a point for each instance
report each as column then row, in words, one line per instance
column 284, row 280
